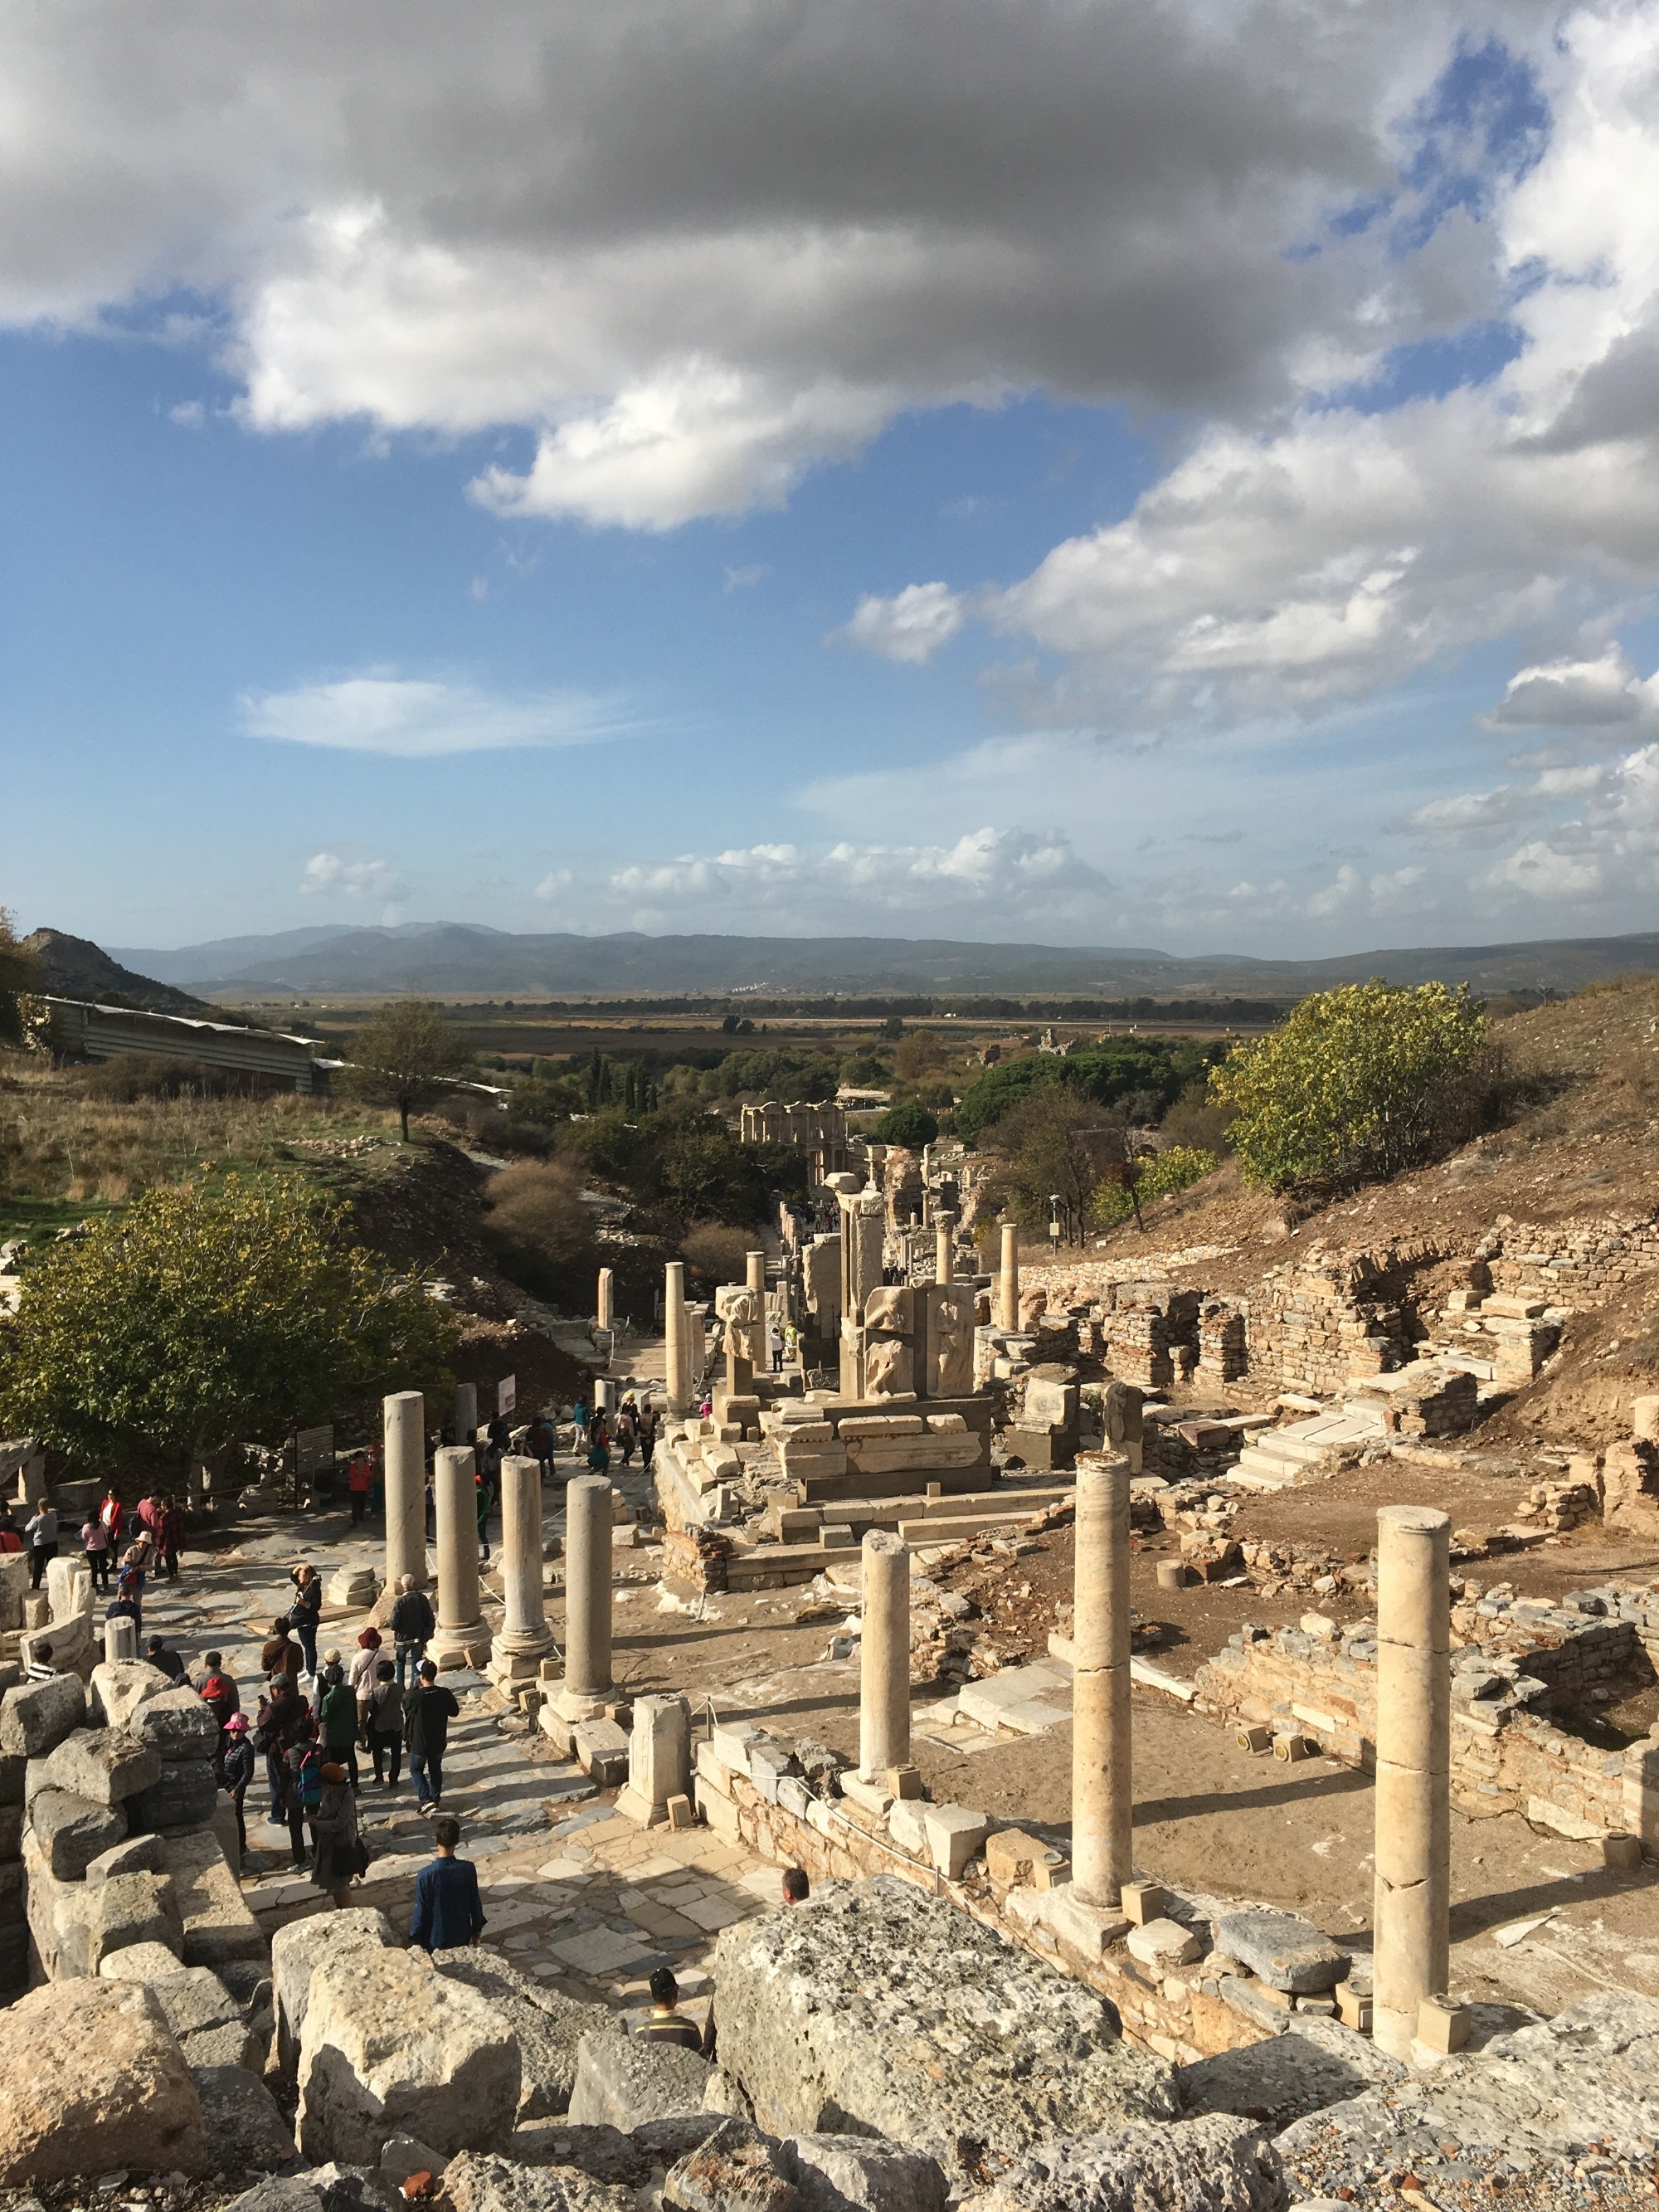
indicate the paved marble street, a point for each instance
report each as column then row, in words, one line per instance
column 578, row 1896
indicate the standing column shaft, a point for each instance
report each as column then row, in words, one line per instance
column 405, row 1417
column 467, row 1414
column 1008, row 1277
column 754, row 1274
column 676, row 1376
column 524, row 1628
column 1102, row 1787
column 945, row 1247
column 603, row 1301
column 884, row 1655
column 455, row 1510
column 588, row 1593
column 1412, row 1847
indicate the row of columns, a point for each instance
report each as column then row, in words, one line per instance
column 1411, row 1957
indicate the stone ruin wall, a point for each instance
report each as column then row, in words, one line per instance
column 1506, row 1754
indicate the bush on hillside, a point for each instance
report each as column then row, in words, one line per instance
column 716, row 1254
column 136, row 1075
column 540, row 1230
column 1178, row 1167
column 1358, row 1084
column 1143, row 1074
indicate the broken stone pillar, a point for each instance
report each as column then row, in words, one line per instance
column 1413, row 1845
column 884, row 1656
column 754, row 1273
column 1103, row 1791
column 467, row 1414
column 860, row 1273
column 586, row 1687
column 405, row 1419
column 120, row 1640
column 462, row 1639
column 1008, row 1279
column 658, row 1759
column 526, row 1637
column 604, row 1300
column 676, row 1377
column 945, row 1247
column 1644, row 1420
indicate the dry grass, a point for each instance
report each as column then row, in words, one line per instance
column 64, row 1154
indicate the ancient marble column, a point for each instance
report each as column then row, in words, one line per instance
column 884, row 1656
column 526, row 1637
column 676, row 1381
column 1102, row 1788
column 945, row 1247
column 1413, row 1846
column 1008, row 1277
column 754, row 1274
column 462, row 1638
column 604, row 1301
column 586, row 1598
column 466, row 1414
column 405, row 1417
column 658, row 1758
column 120, row 1640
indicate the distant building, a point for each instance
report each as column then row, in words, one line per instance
column 820, row 1131
column 83, row 1031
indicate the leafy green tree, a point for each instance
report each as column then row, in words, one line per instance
column 21, row 1016
column 1148, row 1072
column 909, row 1123
column 201, row 1315
column 1055, row 1143
column 1177, row 1167
column 1356, row 1084
column 404, row 1056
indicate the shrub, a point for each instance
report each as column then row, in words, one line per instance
column 137, row 1075
column 909, row 1123
column 1176, row 1168
column 715, row 1253
column 538, row 1226
column 1358, row 1084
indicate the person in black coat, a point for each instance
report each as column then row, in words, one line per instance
column 429, row 1709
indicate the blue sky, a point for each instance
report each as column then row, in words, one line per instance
column 1148, row 480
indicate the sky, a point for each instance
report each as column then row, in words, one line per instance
column 1095, row 472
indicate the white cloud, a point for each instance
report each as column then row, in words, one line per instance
column 189, row 414
column 326, row 875
column 1576, row 695
column 911, row 626
column 420, row 719
column 1608, row 849
column 988, row 878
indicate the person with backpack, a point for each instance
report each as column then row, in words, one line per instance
column 282, row 1716
column 235, row 1763
column 412, row 1626
column 336, row 1718
column 340, row 1859
column 383, row 1725
column 429, row 1709
column 303, row 1766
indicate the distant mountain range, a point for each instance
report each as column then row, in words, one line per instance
column 76, row 967
column 450, row 959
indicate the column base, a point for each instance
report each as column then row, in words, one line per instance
column 1088, row 1929
column 1393, row 2031
column 460, row 1647
column 513, row 1666
column 578, row 1705
column 635, row 1806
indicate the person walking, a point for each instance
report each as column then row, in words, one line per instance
column 307, row 1610
column 449, row 1913
column 40, row 1534
column 218, row 1690
column 412, row 1626
column 628, row 1429
column 336, row 1721
column 579, row 1417
column 129, row 1598
column 339, row 1860
column 598, row 1449
column 485, row 1483
column 94, row 1542
column 647, row 1424
column 383, row 1725
column 539, row 1440
column 429, row 1709
column 111, row 1513
column 170, row 1537
column 236, row 1772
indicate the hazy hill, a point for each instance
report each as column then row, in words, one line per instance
column 76, row 967
column 448, row 958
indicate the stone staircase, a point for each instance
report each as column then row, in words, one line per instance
column 1280, row 1459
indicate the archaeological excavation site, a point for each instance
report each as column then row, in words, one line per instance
column 923, row 1701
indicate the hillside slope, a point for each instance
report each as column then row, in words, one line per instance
column 76, row 967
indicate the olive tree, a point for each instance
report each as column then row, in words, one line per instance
column 404, row 1056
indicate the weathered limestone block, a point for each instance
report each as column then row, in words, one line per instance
column 36, row 1717
column 388, row 2047
column 117, row 1687
column 298, row 1949
column 220, row 1929
column 877, row 2007
column 622, row 2082
column 1314, row 2063
column 1630, row 1488
column 1220, row 2163
column 735, row 2166
column 244, row 2121
column 930, row 1454
column 90, row 2068
column 832, row 2172
column 890, row 1367
column 137, row 1854
column 105, row 1764
column 178, row 1725
column 140, row 1962
column 548, row 2026
column 193, row 1999
column 1282, row 1950
column 658, row 1758
column 182, row 1796
column 133, row 1908
column 72, row 1832
column 477, row 2183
